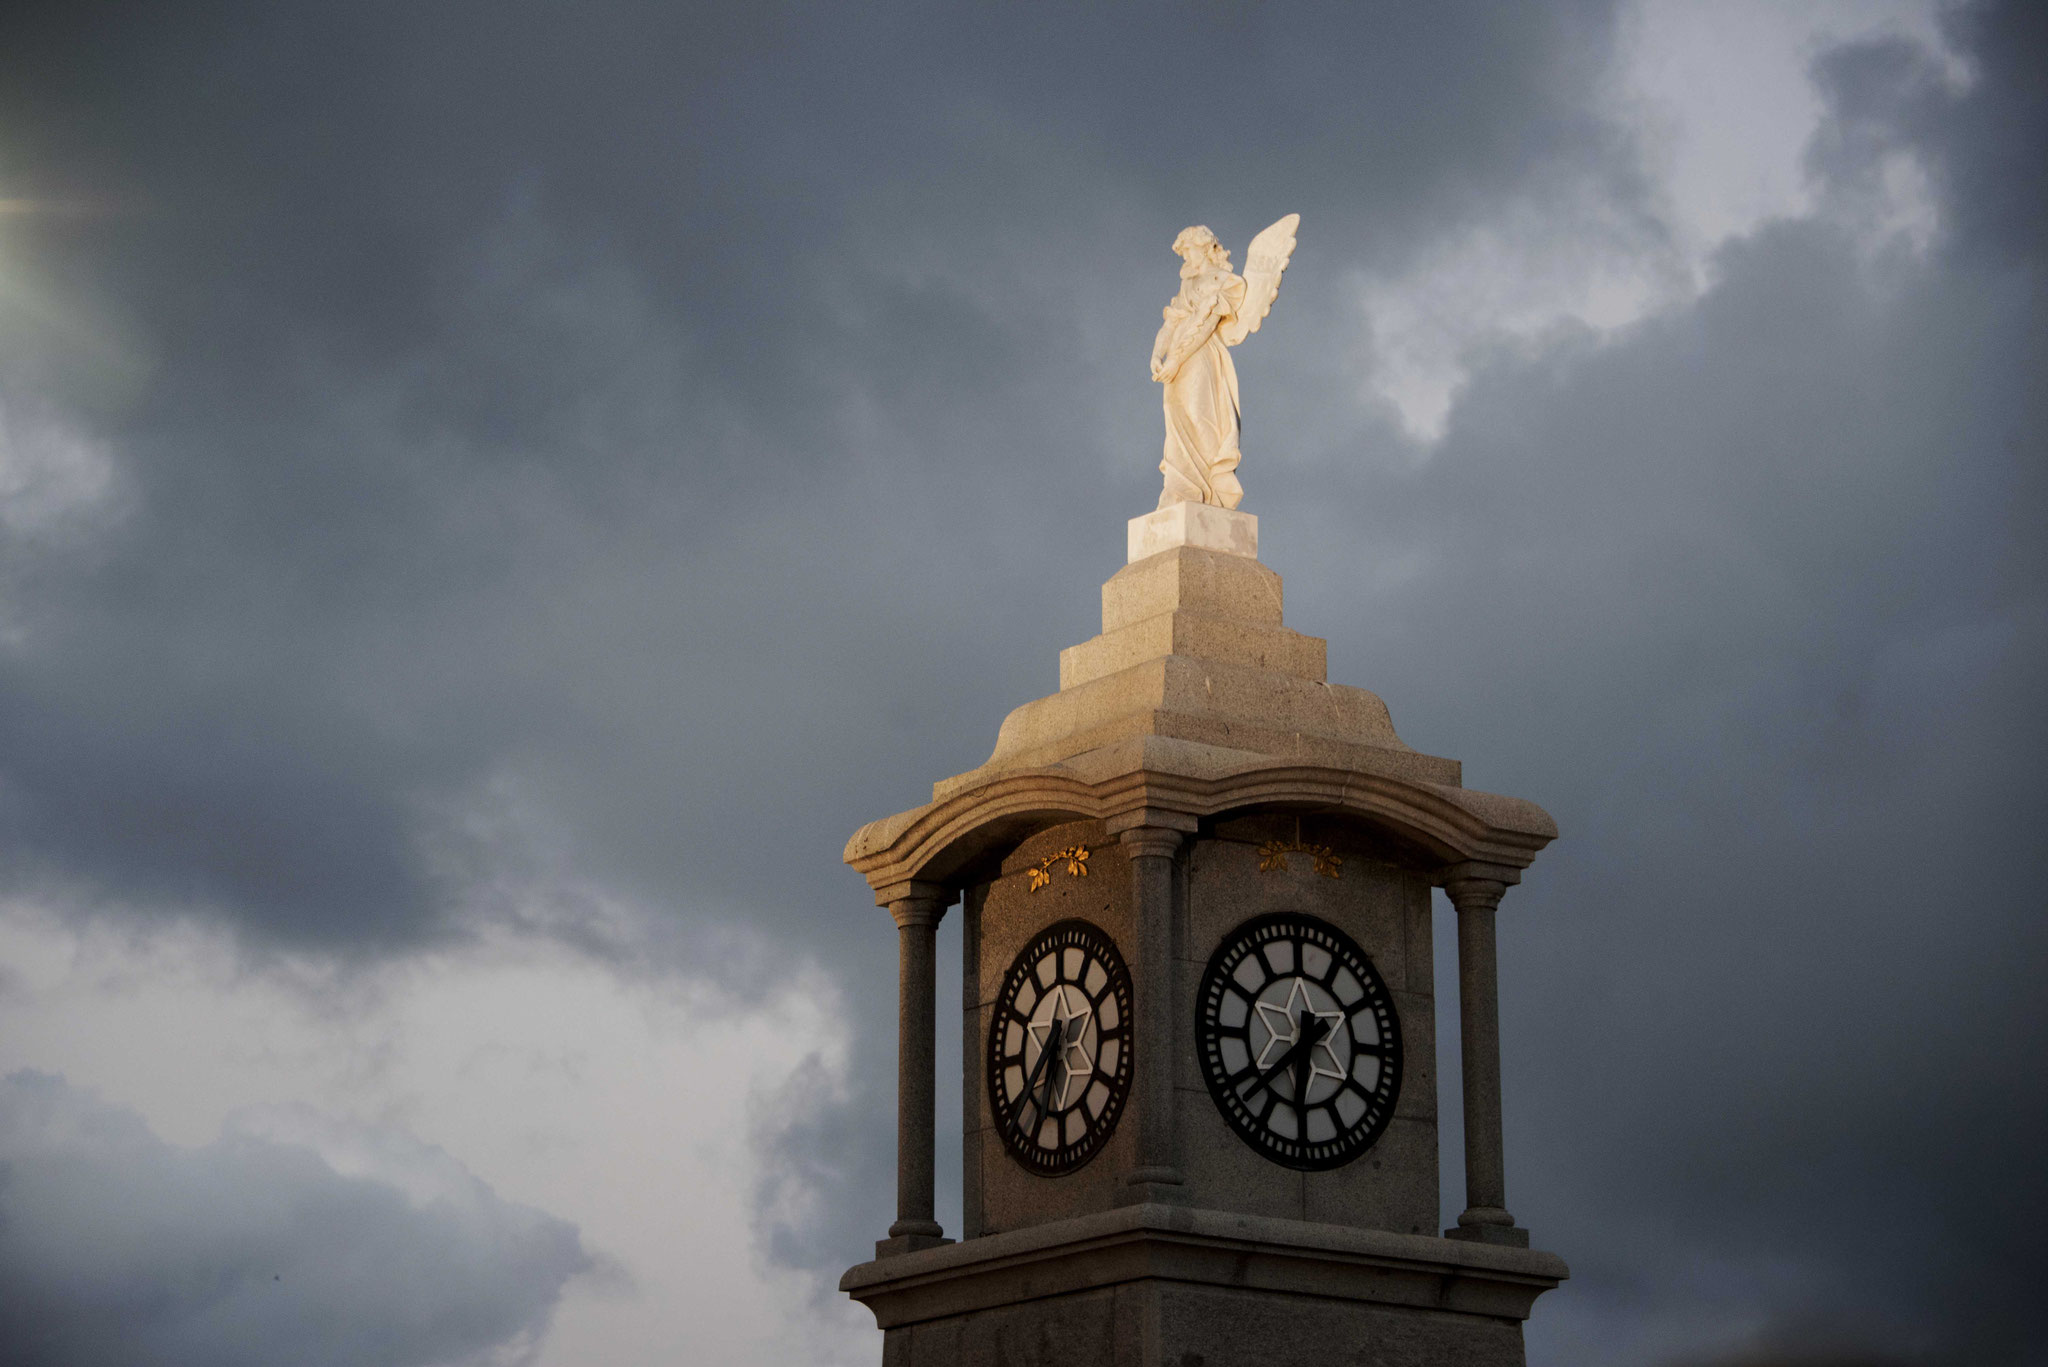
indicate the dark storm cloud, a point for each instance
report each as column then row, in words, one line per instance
column 118, row 1247
column 1752, row 627
column 1752, row 599
column 631, row 449
column 1984, row 149
column 617, row 401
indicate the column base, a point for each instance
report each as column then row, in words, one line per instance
column 910, row 1236
column 1489, row 1225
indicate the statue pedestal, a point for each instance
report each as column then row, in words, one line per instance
column 1165, row 1285
column 1201, row 525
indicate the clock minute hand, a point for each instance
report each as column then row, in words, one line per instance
column 1040, row 1069
column 1287, row 1060
column 1306, row 1061
column 1300, row 1049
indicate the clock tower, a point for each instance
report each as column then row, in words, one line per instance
column 1198, row 1008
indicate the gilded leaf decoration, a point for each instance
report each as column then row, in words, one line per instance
column 1075, row 857
column 1273, row 857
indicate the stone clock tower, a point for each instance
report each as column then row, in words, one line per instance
column 1198, row 1008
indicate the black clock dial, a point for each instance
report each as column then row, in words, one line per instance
column 1059, row 1048
column 1299, row 1041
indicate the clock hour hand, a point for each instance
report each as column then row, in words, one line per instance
column 1042, row 1068
column 1297, row 1055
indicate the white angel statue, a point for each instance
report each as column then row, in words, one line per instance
column 1214, row 311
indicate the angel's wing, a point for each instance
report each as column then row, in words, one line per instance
column 1264, row 263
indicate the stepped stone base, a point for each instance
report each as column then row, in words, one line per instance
column 1193, row 650
column 1165, row 1286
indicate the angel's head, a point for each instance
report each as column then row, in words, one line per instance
column 1198, row 244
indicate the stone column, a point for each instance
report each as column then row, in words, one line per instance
column 1476, row 891
column 917, row 913
column 1151, row 844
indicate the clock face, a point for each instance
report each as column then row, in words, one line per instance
column 1059, row 1048
column 1299, row 1041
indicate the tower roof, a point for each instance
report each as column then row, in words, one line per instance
column 1196, row 699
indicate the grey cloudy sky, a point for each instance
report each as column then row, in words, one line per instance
column 492, row 495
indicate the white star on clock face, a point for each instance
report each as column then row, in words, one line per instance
column 1076, row 1060
column 1282, row 1020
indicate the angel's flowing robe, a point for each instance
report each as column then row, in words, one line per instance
column 1201, row 399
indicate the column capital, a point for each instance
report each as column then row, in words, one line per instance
column 1475, row 885
column 1151, row 818
column 1156, row 842
column 915, row 902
